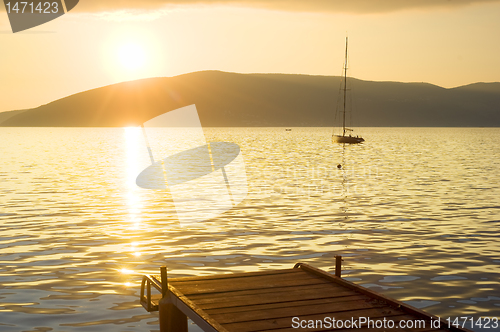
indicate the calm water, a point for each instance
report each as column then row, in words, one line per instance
column 414, row 211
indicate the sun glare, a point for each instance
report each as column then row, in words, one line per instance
column 126, row 271
column 132, row 56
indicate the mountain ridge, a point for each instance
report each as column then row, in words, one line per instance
column 226, row 99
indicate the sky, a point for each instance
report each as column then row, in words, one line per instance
column 443, row 42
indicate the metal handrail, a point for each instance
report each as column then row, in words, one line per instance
column 146, row 283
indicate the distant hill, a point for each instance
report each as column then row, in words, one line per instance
column 7, row 115
column 280, row 100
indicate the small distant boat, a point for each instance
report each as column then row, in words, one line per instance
column 346, row 136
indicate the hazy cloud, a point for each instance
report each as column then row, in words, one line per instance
column 129, row 15
column 350, row 6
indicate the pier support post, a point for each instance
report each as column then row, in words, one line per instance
column 338, row 265
column 171, row 318
column 164, row 281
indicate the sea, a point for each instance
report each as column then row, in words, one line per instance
column 414, row 212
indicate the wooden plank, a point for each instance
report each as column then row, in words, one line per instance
column 231, row 275
column 197, row 315
column 235, row 301
column 286, row 322
column 331, row 308
column 405, row 307
column 331, row 287
column 244, row 307
column 248, row 284
column 269, row 300
column 245, row 279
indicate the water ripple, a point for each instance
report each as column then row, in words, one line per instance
column 412, row 212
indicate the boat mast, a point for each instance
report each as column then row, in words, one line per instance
column 345, row 84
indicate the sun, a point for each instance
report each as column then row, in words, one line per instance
column 132, row 56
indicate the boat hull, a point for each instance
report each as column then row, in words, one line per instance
column 347, row 139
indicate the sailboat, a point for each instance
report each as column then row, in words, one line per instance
column 346, row 136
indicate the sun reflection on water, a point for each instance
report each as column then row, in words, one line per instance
column 126, row 271
column 134, row 148
column 421, row 223
column 133, row 166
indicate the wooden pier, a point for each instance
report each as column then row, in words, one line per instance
column 302, row 298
